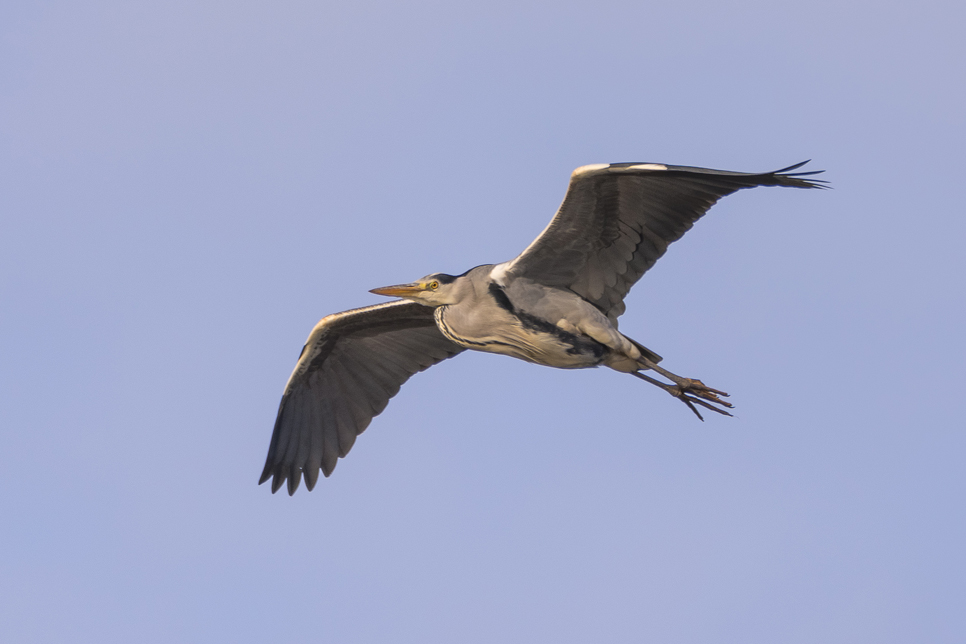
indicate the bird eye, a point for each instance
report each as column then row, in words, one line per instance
column 434, row 285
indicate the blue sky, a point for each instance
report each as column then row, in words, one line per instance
column 187, row 187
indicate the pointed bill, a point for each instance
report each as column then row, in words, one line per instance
column 399, row 290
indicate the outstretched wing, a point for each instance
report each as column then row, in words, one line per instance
column 618, row 219
column 351, row 365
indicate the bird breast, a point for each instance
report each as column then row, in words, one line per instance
column 496, row 323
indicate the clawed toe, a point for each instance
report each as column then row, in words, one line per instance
column 693, row 392
column 700, row 389
column 690, row 398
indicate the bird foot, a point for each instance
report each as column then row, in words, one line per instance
column 689, row 391
column 694, row 392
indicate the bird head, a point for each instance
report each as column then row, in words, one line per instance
column 433, row 290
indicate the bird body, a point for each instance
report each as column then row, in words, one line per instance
column 556, row 304
column 529, row 321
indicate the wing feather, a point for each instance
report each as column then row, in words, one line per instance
column 351, row 365
column 310, row 469
column 617, row 220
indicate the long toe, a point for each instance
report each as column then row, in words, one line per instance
column 701, row 390
column 692, row 392
column 695, row 393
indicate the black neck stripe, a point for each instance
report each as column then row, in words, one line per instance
column 502, row 300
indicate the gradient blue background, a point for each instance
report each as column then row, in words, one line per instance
column 186, row 187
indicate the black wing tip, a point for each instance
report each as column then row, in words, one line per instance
column 267, row 472
column 278, row 477
column 311, row 478
column 783, row 177
column 294, row 478
column 291, row 480
column 794, row 180
column 796, row 167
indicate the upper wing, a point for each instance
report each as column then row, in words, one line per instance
column 351, row 365
column 617, row 220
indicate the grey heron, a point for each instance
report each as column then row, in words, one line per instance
column 556, row 304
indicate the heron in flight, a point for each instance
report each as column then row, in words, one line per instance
column 556, row 304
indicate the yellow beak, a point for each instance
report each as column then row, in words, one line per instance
column 399, row 290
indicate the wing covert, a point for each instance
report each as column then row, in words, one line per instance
column 352, row 364
column 617, row 220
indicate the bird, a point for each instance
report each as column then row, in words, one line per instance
column 557, row 304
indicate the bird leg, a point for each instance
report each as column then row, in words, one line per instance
column 689, row 391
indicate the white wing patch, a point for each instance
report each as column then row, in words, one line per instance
column 498, row 273
column 584, row 169
column 643, row 166
column 600, row 168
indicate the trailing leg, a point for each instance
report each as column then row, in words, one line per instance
column 689, row 391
